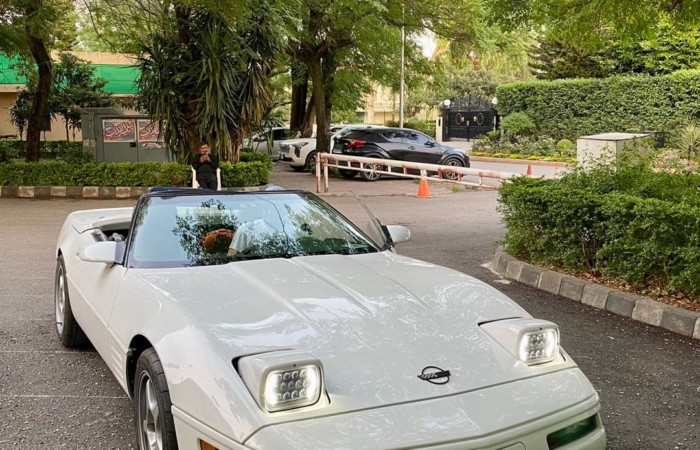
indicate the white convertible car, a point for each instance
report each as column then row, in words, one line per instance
column 267, row 320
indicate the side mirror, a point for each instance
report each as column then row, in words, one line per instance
column 101, row 252
column 398, row 233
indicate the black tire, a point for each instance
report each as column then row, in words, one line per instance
column 453, row 162
column 69, row 332
column 297, row 168
column 347, row 173
column 152, row 406
column 310, row 165
column 369, row 176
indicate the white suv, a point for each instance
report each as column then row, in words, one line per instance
column 301, row 153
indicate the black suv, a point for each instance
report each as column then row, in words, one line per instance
column 400, row 144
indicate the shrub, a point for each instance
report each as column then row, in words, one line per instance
column 254, row 156
column 15, row 149
column 518, row 124
column 577, row 107
column 62, row 173
column 631, row 223
column 566, row 148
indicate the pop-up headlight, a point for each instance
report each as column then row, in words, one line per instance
column 532, row 341
column 283, row 380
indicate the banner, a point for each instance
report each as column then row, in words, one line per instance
column 148, row 131
column 119, row 130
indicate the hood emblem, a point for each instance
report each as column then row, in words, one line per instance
column 435, row 375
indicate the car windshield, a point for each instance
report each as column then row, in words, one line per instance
column 198, row 230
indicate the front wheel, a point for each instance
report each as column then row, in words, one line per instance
column 155, row 426
column 452, row 162
column 69, row 332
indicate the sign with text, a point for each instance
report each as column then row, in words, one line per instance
column 119, row 130
column 148, row 131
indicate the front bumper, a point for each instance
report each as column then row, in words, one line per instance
column 518, row 415
column 514, row 416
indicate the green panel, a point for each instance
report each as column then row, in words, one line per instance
column 121, row 79
column 7, row 74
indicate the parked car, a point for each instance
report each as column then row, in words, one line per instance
column 261, row 142
column 301, row 153
column 400, row 144
column 267, row 320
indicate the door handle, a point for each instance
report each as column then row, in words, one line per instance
column 411, row 147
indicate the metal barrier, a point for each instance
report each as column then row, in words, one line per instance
column 384, row 167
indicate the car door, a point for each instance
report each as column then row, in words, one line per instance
column 395, row 144
column 95, row 297
column 421, row 148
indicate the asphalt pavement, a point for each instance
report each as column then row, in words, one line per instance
column 648, row 379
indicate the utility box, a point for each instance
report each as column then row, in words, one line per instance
column 112, row 136
column 610, row 148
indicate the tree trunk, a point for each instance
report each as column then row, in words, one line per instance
column 41, row 97
column 67, row 133
column 299, row 93
column 316, row 73
column 322, row 73
column 307, row 126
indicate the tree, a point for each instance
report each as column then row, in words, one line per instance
column 591, row 24
column 20, row 110
column 31, row 28
column 202, row 78
column 666, row 51
column 75, row 87
column 354, row 42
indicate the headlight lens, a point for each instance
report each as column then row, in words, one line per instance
column 539, row 346
column 292, row 388
column 532, row 341
column 283, row 380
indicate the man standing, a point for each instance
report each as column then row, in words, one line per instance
column 205, row 165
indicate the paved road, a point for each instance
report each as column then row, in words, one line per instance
column 648, row 379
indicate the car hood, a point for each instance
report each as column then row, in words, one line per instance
column 374, row 320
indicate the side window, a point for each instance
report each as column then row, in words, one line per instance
column 277, row 134
column 394, row 136
column 414, row 137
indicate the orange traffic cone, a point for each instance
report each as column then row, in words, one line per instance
column 529, row 170
column 423, row 189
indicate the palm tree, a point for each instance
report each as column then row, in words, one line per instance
column 209, row 81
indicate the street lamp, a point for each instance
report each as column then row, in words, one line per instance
column 494, row 102
column 446, row 103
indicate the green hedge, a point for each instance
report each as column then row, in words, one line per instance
column 578, row 107
column 61, row 173
column 634, row 225
column 14, row 148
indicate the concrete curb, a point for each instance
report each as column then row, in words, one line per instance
column 642, row 309
column 91, row 192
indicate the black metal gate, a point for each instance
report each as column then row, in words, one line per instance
column 468, row 117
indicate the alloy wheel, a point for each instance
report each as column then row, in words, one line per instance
column 60, row 298
column 150, row 433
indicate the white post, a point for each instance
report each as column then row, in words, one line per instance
column 438, row 130
column 325, row 177
column 401, row 88
column 318, row 173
